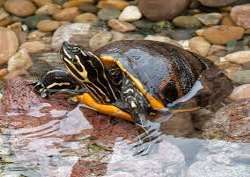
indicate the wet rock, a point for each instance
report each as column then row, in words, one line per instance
column 121, row 26
column 67, row 14
column 218, row 50
column 117, row 36
column 35, row 47
column 99, row 40
column 3, row 72
column 116, row 4
column 40, row 3
column 36, row 35
column 130, row 13
column 240, row 15
column 181, row 34
column 3, row 14
column 242, row 77
column 18, row 64
column 160, row 10
column 76, row 3
column 88, row 8
column 222, row 34
column 48, row 25
column 21, row 8
column 48, row 9
column 162, row 39
column 241, row 92
column 187, row 22
column 32, row 21
column 60, row 2
column 216, row 3
column 108, row 14
column 240, row 57
column 199, row 45
column 86, row 18
column 227, row 20
column 209, row 19
column 9, row 46
column 66, row 32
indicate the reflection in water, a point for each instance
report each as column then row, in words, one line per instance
column 53, row 148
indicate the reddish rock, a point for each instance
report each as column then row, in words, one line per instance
column 216, row 3
column 240, row 15
column 162, row 9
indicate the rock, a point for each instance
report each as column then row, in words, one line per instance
column 99, row 40
column 3, row 14
column 48, row 9
column 36, row 35
column 130, row 13
column 66, row 32
column 32, row 21
column 181, row 34
column 209, row 19
column 9, row 44
column 240, row 57
column 48, row 25
column 86, row 18
column 117, row 36
column 240, row 92
column 108, row 14
column 67, row 14
column 222, row 34
column 227, row 20
column 19, row 63
column 121, row 26
column 162, row 39
column 218, row 50
column 3, row 73
column 199, row 45
column 34, row 47
column 240, row 15
column 76, row 3
column 88, row 8
column 116, row 4
column 60, row 2
column 40, row 3
column 21, row 8
column 187, row 22
column 160, row 10
column 216, row 3
column 242, row 77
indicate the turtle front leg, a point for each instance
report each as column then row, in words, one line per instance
column 58, row 81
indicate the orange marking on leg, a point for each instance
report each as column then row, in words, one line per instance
column 111, row 110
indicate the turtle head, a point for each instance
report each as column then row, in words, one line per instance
column 89, row 70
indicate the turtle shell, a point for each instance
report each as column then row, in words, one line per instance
column 166, row 71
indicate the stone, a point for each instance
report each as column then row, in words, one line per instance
column 40, row 3
column 130, row 14
column 117, row 36
column 239, row 57
column 242, row 77
column 32, row 21
column 227, row 20
column 88, row 8
column 121, row 26
column 86, row 18
column 181, row 34
column 116, row 4
column 157, row 10
column 108, row 13
column 199, row 45
column 3, row 73
column 21, row 8
column 67, row 14
column 240, row 15
column 76, row 3
column 66, row 32
column 19, row 63
column 222, row 34
column 218, row 50
column 48, row 9
column 48, row 25
column 209, row 19
column 162, row 39
column 216, row 3
column 3, row 14
column 36, row 35
column 240, row 92
column 60, row 2
column 34, row 47
column 100, row 39
column 9, row 44
column 187, row 22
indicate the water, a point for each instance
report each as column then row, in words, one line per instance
column 68, row 140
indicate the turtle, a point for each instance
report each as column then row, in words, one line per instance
column 128, row 79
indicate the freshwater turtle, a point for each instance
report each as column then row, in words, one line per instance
column 125, row 79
